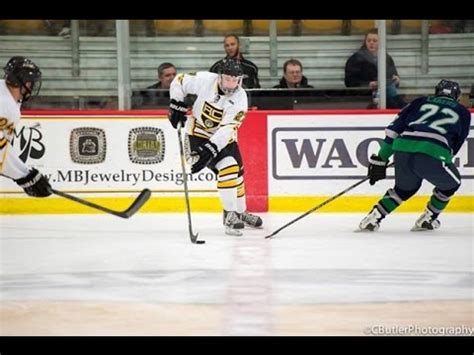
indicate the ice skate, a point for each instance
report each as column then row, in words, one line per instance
column 372, row 222
column 251, row 220
column 426, row 222
column 232, row 223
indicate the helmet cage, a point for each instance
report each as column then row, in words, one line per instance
column 230, row 67
column 223, row 78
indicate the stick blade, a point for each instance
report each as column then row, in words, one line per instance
column 195, row 241
column 142, row 198
column 194, row 238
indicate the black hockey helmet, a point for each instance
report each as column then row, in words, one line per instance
column 232, row 68
column 448, row 88
column 19, row 71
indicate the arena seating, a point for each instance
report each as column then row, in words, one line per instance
column 323, row 57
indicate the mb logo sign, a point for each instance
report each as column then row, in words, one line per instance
column 329, row 153
column 28, row 141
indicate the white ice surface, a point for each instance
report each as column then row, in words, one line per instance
column 149, row 258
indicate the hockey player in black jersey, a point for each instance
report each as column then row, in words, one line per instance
column 424, row 138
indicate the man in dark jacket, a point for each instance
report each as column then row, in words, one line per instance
column 293, row 76
column 157, row 94
column 361, row 70
column 232, row 50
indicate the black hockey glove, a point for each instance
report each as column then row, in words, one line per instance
column 206, row 152
column 35, row 184
column 377, row 169
column 177, row 113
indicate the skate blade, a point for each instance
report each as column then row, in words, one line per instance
column 358, row 230
column 233, row 232
column 419, row 229
column 252, row 227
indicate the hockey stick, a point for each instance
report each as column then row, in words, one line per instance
column 321, row 205
column 129, row 212
column 192, row 236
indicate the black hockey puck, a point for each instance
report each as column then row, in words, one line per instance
column 200, row 241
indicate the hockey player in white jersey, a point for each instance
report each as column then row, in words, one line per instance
column 22, row 81
column 217, row 113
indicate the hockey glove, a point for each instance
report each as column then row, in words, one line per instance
column 377, row 169
column 177, row 113
column 35, row 184
column 205, row 152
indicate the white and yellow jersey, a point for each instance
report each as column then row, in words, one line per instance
column 10, row 165
column 214, row 116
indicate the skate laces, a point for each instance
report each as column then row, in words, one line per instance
column 371, row 221
column 373, row 216
column 232, row 218
column 249, row 218
column 427, row 217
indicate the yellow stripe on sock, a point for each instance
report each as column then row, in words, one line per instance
column 233, row 169
column 241, row 190
column 227, row 184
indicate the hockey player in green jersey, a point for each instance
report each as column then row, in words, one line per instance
column 423, row 138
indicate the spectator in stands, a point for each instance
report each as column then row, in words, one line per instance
column 52, row 26
column 166, row 74
column 158, row 93
column 232, row 50
column 66, row 29
column 293, row 76
column 361, row 70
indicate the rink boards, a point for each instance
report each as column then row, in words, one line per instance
column 293, row 161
